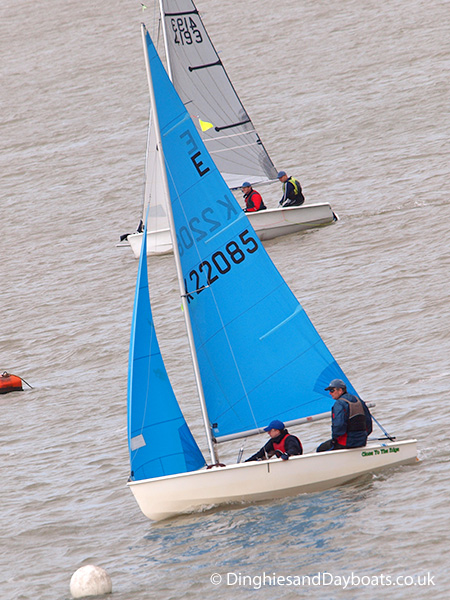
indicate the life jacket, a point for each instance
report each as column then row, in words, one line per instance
column 296, row 184
column 356, row 419
column 10, row 383
column 281, row 446
column 256, row 206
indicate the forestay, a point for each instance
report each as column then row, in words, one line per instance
column 159, row 440
column 260, row 357
column 209, row 96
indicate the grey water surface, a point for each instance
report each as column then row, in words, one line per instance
column 353, row 99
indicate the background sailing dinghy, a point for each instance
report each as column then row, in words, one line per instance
column 225, row 127
column 226, row 279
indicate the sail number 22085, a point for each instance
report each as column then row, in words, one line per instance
column 221, row 262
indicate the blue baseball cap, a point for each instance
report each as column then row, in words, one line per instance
column 336, row 383
column 275, row 425
column 246, row 184
column 281, row 174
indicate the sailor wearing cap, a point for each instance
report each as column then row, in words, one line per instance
column 281, row 444
column 292, row 191
column 253, row 199
column 351, row 421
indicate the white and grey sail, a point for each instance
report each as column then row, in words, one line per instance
column 201, row 81
column 155, row 201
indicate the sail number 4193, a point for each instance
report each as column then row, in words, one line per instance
column 221, row 262
column 185, row 30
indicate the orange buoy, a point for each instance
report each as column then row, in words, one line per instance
column 10, row 383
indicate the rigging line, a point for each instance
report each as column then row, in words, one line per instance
column 230, row 148
column 195, row 291
column 230, row 135
column 30, row 386
column 390, row 437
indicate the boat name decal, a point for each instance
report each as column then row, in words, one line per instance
column 185, row 31
column 380, row 451
column 220, row 263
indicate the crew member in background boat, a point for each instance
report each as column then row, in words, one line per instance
column 253, row 199
column 351, row 421
column 281, row 444
column 292, row 191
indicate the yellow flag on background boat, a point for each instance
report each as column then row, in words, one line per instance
column 204, row 125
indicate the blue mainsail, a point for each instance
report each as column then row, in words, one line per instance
column 159, row 440
column 260, row 357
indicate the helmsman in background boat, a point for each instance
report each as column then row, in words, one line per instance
column 281, row 444
column 253, row 199
column 351, row 421
column 292, row 191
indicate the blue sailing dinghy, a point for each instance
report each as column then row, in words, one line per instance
column 225, row 278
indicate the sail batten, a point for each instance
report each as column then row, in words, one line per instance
column 205, row 66
column 231, row 125
column 182, row 14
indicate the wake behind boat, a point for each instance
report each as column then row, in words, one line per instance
column 225, row 277
column 225, row 127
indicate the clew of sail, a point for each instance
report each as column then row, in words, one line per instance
column 210, row 98
column 159, row 440
column 259, row 355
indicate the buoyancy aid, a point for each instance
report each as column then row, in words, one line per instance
column 356, row 415
column 295, row 184
column 254, row 201
column 281, row 445
column 10, row 383
column 356, row 419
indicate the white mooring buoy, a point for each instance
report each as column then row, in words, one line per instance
column 90, row 581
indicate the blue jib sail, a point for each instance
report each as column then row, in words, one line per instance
column 159, row 440
column 260, row 357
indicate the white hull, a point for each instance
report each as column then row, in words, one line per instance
column 158, row 242
column 268, row 224
column 168, row 496
column 275, row 222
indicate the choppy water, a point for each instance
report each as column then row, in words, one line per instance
column 353, row 99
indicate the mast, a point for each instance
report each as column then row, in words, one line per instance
column 177, row 258
column 166, row 46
